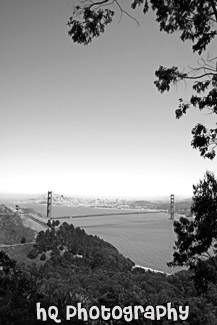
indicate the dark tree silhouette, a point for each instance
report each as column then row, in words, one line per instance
column 195, row 20
column 196, row 244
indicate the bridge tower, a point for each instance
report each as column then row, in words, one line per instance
column 49, row 204
column 172, row 206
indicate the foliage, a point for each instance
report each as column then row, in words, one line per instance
column 86, row 269
column 197, row 238
column 195, row 20
column 204, row 98
column 23, row 240
column 17, row 289
column 79, row 272
column 66, row 243
column 94, row 22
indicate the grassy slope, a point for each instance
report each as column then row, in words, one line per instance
column 11, row 232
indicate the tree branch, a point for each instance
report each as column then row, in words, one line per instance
column 98, row 3
column 214, row 8
column 201, row 76
column 126, row 13
column 106, row 4
column 213, row 260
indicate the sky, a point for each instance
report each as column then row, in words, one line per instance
column 88, row 120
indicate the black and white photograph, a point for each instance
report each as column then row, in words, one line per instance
column 108, row 174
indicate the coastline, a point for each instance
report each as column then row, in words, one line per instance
column 150, row 269
column 141, row 231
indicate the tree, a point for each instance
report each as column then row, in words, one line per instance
column 195, row 20
column 17, row 292
column 196, row 244
column 23, row 240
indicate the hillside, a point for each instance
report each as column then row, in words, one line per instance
column 18, row 230
column 70, row 267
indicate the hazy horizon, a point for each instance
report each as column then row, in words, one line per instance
column 11, row 196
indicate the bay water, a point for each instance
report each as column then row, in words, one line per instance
column 147, row 238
